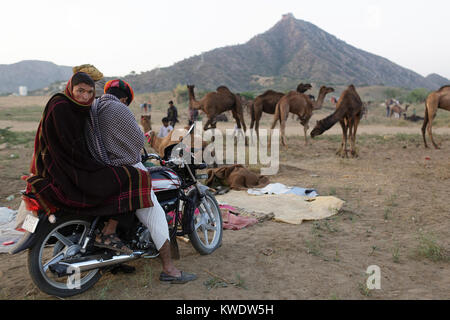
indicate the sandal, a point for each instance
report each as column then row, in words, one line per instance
column 112, row 241
column 183, row 278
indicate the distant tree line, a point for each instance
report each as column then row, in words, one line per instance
column 414, row 96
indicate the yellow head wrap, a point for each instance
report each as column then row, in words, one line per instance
column 90, row 70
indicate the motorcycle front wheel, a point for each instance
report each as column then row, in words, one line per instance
column 55, row 242
column 207, row 234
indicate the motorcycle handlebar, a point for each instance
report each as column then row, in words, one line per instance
column 147, row 156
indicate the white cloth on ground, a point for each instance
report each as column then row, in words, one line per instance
column 154, row 218
column 7, row 228
column 279, row 188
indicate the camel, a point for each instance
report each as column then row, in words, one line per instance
column 349, row 110
column 398, row 110
column 412, row 118
column 215, row 103
column 146, row 123
column 267, row 103
column 160, row 144
column 246, row 103
column 299, row 104
column 221, row 118
column 365, row 109
column 436, row 99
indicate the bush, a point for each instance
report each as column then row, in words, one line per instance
column 391, row 93
column 248, row 95
column 429, row 249
column 417, row 95
column 181, row 93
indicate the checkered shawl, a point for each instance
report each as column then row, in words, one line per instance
column 112, row 134
column 65, row 176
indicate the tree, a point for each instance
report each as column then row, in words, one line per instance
column 391, row 93
column 181, row 93
column 417, row 95
column 248, row 95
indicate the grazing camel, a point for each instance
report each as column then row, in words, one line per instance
column 146, row 122
column 246, row 103
column 349, row 109
column 267, row 103
column 299, row 104
column 397, row 109
column 215, row 103
column 436, row 99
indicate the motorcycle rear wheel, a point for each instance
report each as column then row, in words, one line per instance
column 56, row 242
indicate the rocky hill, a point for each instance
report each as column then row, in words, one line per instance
column 437, row 80
column 291, row 51
column 33, row 74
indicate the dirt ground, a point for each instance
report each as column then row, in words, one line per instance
column 396, row 216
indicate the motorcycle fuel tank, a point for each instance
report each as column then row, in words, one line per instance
column 164, row 179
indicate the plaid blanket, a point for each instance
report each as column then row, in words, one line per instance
column 65, row 176
column 113, row 136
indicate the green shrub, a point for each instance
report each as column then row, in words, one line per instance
column 181, row 93
column 248, row 95
column 417, row 95
column 390, row 93
column 430, row 249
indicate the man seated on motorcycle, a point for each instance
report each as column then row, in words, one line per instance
column 65, row 177
column 114, row 138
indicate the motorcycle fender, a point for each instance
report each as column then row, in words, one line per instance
column 28, row 238
column 24, row 243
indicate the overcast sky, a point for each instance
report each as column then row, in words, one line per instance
column 136, row 35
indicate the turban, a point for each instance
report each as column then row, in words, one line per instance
column 122, row 85
column 90, row 70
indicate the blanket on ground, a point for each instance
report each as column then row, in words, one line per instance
column 233, row 220
column 288, row 208
column 8, row 233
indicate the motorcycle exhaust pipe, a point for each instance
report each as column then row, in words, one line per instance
column 99, row 262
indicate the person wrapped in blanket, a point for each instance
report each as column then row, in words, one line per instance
column 64, row 175
column 114, row 138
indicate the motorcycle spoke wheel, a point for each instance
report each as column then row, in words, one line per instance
column 207, row 234
column 63, row 241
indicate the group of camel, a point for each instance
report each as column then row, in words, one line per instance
column 435, row 100
column 349, row 111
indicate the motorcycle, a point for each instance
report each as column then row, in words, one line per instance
column 62, row 258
